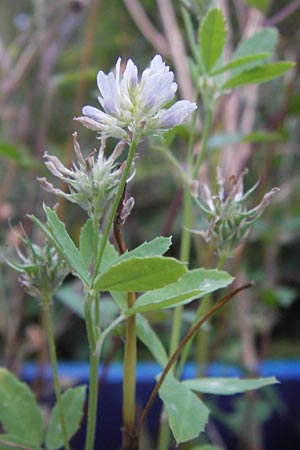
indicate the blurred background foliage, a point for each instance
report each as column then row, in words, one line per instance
column 50, row 53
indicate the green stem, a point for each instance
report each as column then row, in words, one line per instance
column 204, row 141
column 92, row 402
column 180, row 347
column 203, row 308
column 96, row 232
column 192, row 173
column 185, row 235
column 53, row 358
column 115, row 205
column 129, row 379
column 164, row 431
column 93, row 382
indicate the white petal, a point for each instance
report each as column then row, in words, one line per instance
column 157, row 91
column 130, row 77
column 89, row 123
column 108, row 89
column 177, row 114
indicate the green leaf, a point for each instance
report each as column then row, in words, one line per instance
column 86, row 247
column 193, row 284
column 73, row 78
column 227, row 386
column 70, row 298
column 73, row 403
column 18, row 155
column 261, row 5
column 240, row 62
column 86, row 242
column 140, row 274
column 264, row 40
column 206, row 447
column 7, row 442
column 259, row 74
column 64, row 244
column 150, row 339
column 20, row 416
column 223, row 139
column 212, row 35
column 264, row 136
column 156, row 247
column 187, row 414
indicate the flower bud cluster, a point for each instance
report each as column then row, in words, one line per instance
column 92, row 181
column 42, row 270
column 229, row 220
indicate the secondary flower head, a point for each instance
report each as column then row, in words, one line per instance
column 41, row 268
column 133, row 105
column 229, row 220
column 92, row 181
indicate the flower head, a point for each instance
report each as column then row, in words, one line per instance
column 229, row 220
column 92, row 181
column 136, row 106
column 41, row 268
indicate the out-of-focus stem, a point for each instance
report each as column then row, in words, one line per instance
column 53, row 358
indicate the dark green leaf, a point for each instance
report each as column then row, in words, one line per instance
column 140, row 274
column 212, row 35
column 187, row 414
column 73, row 403
column 259, row 74
column 20, row 416
column 227, row 386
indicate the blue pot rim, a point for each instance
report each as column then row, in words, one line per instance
column 279, row 368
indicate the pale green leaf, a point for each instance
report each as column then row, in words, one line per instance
column 18, row 154
column 227, row 386
column 140, row 274
column 56, row 233
column 110, row 256
column 193, row 284
column 261, row 5
column 264, row 40
column 86, row 242
column 212, row 35
column 73, row 403
column 241, row 62
column 7, row 442
column 224, row 139
column 72, row 299
column 156, row 247
column 187, row 414
column 206, row 447
column 20, row 415
column 259, row 74
column 264, row 136
column 150, row 339
column 86, row 247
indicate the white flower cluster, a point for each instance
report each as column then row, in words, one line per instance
column 133, row 106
